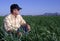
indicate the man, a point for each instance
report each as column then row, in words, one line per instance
column 14, row 21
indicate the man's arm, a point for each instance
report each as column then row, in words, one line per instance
column 7, row 24
column 23, row 23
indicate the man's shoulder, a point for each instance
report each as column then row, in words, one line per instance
column 7, row 16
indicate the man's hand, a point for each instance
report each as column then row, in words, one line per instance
column 27, row 27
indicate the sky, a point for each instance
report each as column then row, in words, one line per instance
column 31, row 7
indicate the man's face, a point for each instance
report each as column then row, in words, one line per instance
column 15, row 11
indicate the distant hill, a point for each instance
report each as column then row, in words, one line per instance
column 51, row 14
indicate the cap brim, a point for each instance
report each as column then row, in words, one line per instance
column 19, row 8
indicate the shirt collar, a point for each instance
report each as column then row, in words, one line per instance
column 14, row 16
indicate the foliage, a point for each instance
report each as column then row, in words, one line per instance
column 43, row 28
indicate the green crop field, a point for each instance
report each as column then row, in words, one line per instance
column 43, row 28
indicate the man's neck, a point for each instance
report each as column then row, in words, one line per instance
column 14, row 15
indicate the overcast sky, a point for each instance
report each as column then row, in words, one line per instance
column 31, row 7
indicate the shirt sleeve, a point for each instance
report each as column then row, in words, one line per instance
column 22, row 21
column 7, row 24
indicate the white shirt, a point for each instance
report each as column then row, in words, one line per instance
column 13, row 23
